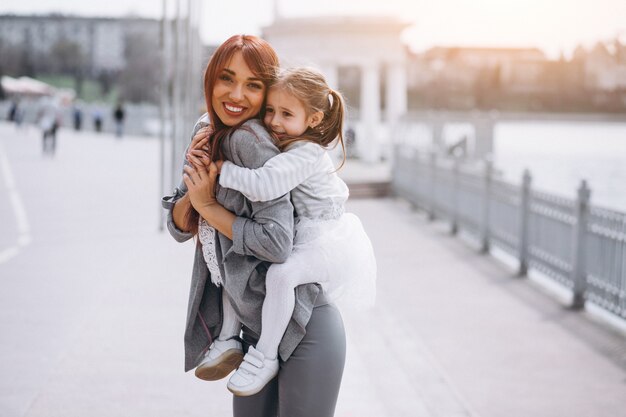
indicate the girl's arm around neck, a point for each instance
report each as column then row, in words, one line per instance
column 277, row 177
column 263, row 229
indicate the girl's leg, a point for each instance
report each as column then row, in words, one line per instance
column 280, row 283
column 225, row 354
column 230, row 324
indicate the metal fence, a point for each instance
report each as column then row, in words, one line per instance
column 580, row 246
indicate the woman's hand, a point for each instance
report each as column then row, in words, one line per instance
column 200, row 181
column 198, row 152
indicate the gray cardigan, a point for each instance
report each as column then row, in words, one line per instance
column 262, row 234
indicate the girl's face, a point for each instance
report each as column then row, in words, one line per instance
column 285, row 115
column 237, row 93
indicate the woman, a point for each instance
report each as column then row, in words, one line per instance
column 251, row 236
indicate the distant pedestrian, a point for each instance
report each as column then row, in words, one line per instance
column 78, row 118
column 49, row 122
column 13, row 111
column 118, row 115
column 19, row 115
column 16, row 113
column 97, row 120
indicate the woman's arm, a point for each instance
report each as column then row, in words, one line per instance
column 175, row 206
column 200, row 182
column 178, row 202
column 181, row 207
column 277, row 177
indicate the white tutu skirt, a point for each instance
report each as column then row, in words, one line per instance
column 340, row 253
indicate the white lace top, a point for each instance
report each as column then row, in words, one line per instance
column 207, row 235
column 305, row 169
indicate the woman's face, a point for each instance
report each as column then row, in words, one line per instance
column 237, row 93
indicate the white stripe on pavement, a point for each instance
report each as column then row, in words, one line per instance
column 21, row 218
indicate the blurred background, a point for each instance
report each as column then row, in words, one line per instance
column 502, row 122
column 559, row 67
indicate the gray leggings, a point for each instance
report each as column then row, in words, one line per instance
column 307, row 384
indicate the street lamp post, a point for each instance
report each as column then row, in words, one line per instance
column 181, row 51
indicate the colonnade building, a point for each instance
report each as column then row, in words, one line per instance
column 371, row 44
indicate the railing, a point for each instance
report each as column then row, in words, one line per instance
column 580, row 246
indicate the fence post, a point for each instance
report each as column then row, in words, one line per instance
column 579, row 264
column 412, row 191
column 454, row 227
column 433, row 186
column 524, row 224
column 484, row 227
column 395, row 170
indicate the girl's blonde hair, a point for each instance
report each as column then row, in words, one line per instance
column 310, row 88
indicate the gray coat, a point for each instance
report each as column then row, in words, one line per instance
column 262, row 234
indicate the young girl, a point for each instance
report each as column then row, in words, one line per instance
column 330, row 246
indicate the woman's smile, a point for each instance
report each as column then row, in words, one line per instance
column 233, row 109
column 238, row 93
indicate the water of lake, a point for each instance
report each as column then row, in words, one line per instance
column 558, row 154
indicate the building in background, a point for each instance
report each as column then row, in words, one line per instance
column 521, row 79
column 363, row 57
column 99, row 42
column 605, row 66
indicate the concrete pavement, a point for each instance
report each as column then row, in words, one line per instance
column 93, row 302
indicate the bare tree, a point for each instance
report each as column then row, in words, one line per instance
column 140, row 78
column 10, row 64
column 67, row 58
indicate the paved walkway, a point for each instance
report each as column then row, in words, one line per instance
column 93, row 301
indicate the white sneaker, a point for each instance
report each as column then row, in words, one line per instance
column 253, row 374
column 221, row 359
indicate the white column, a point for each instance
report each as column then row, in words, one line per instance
column 396, row 92
column 331, row 73
column 367, row 140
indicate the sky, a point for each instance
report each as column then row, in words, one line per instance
column 553, row 26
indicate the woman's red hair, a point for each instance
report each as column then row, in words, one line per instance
column 263, row 62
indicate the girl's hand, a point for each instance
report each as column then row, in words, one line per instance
column 219, row 166
column 200, row 140
column 199, row 158
column 200, row 183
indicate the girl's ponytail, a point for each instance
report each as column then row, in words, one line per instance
column 331, row 126
column 310, row 87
